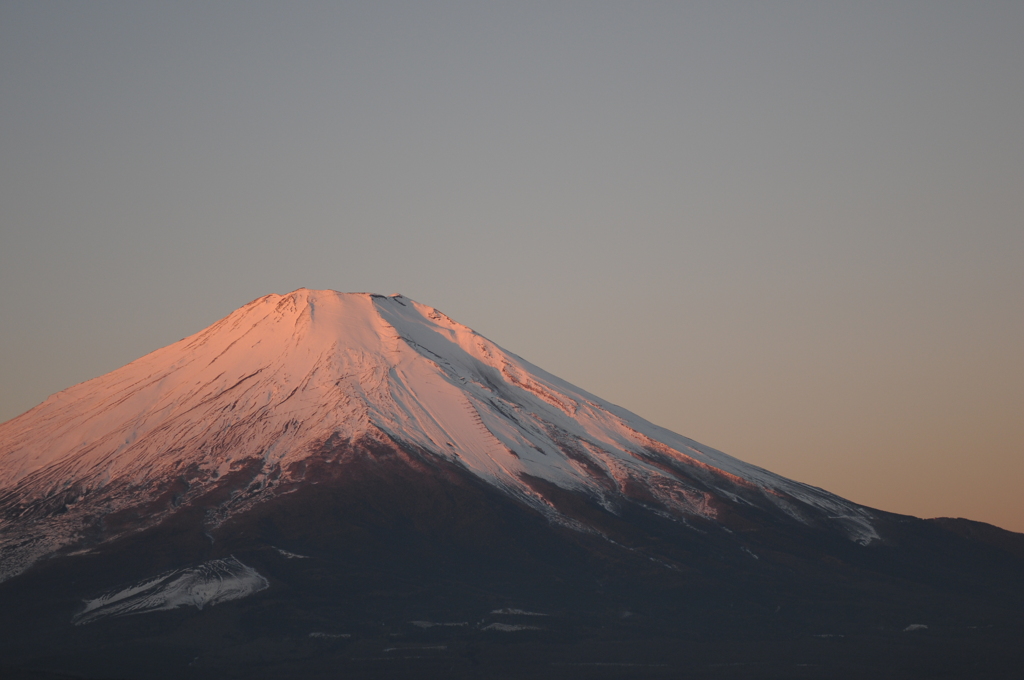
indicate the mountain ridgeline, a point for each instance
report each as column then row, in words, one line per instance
column 324, row 482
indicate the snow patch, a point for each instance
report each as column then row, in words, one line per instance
column 210, row 583
column 509, row 627
column 329, row 636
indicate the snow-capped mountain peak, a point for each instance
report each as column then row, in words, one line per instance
column 285, row 378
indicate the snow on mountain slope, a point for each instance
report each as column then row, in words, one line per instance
column 209, row 583
column 277, row 378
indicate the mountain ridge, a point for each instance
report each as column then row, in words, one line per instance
column 283, row 374
column 324, row 481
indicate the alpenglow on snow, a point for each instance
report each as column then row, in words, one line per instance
column 279, row 379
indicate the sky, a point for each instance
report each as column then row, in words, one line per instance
column 793, row 231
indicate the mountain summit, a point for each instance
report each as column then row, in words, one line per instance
column 324, row 481
column 278, row 385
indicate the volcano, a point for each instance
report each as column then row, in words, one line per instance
column 325, row 484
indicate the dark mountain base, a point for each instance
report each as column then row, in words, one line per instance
column 409, row 568
column 498, row 655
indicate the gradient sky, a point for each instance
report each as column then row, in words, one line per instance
column 792, row 231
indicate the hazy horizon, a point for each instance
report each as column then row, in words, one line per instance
column 792, row 231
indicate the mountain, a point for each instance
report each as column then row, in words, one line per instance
column 324, row 480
